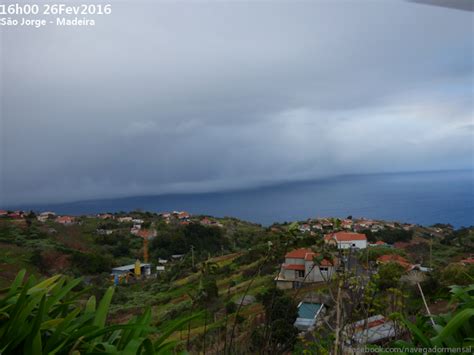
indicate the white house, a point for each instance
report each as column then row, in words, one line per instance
column 44, row 216
column 346, row 240
column 300, row 268
column 305, row 228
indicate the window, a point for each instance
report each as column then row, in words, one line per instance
column 323, row 268
column 299, row 273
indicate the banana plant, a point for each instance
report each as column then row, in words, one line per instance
column 451, row 330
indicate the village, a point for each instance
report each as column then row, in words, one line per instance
column 324, row 251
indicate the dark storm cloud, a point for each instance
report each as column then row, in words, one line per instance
column 202, row 96
column 466, row 5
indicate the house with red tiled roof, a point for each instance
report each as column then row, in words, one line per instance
column 303, row 267
column 206, row 221
column 65, row 220
column 346, row 224
column 346, row 240
column 146, row 233
column 3, row 213
column 105, row 216
column 394, row 258
column 305, row 228
column 16, row 215
column 183, row 215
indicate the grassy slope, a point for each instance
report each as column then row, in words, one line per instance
column 177, row 301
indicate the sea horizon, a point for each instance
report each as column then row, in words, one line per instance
column 444, row 196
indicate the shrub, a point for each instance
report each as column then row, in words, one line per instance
column 389, row 275
column 230, row 307
column 457, row 274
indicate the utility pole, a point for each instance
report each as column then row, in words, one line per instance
column 431, row 254
column 431, row 251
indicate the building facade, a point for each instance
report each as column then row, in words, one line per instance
column 302, row 267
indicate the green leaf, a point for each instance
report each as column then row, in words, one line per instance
column 453, row 325
column 33, row 342
column 90, row 305
column 45, row 285
column 103, row 309
column 417, row 333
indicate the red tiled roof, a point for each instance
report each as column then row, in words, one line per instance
column 206, row 220
column 299, row 253
column 372, row 324
column 379, row 242
column 468, row 261
column 310, row 256
column 394, row 258
column 307, row 255
column 293, row 267
column 345, row 236
column 146, row 233
column 391, row 257
column 326, row 262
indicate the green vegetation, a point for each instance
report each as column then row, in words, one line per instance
column 46, row 317
column 222, row 265
column 452, row 330
column 389, row 275
column 389, row 236
column 278, row 334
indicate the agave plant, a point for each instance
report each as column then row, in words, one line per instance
column 47, row 318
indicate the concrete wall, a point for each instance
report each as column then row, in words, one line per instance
column 284, row 285
column 360, row 244
column 317, row 275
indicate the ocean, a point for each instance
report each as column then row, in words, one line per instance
column 424, row 198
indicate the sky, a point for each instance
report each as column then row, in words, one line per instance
column 199, row 96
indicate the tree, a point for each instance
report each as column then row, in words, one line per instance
column 281, row 312
column 208, row 291
column 389, row 275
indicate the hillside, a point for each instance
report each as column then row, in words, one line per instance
column 222, row 271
